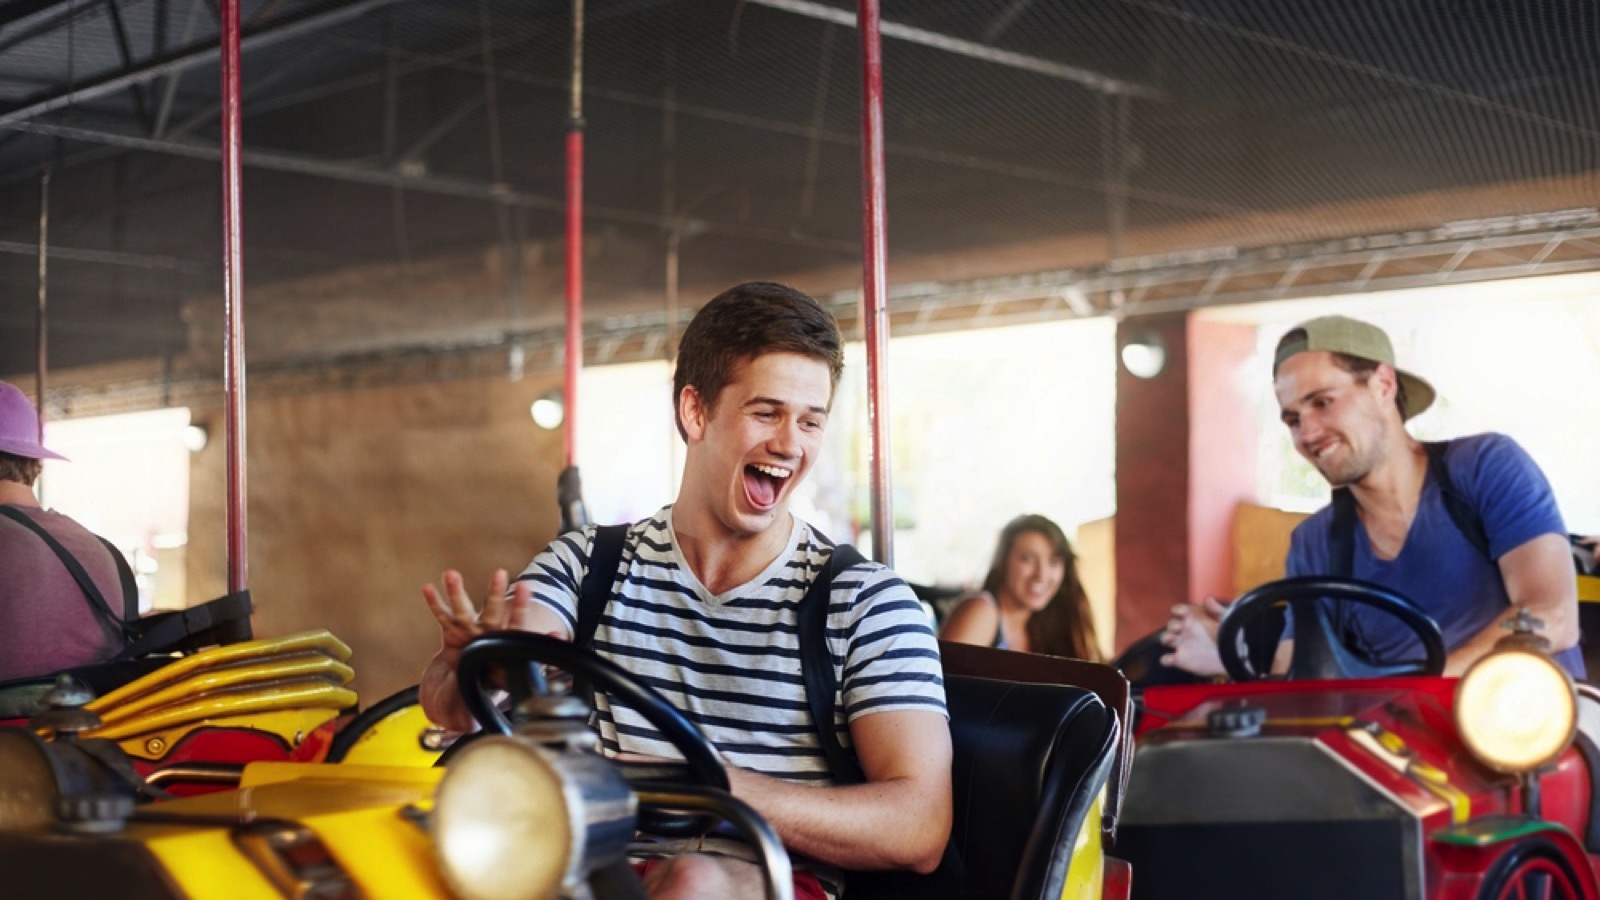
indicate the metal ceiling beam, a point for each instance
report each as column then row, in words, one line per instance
column 460, row 62
column 921, row 308
column 1088, row 78
column 1226, row 276
column 119, row 30
column 108, row 257
column 187, row 58
column 466, row 188
column 18, row 10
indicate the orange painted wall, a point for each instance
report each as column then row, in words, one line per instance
column 1223, row 390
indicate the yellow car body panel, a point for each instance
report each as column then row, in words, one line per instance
column 1589, row 589
column 1086, row 871
column 307, row 696
column 290, row 726
column 403, row 738
column 319, row 641
column 233, row 681
column 285, row 686
column 358, row 812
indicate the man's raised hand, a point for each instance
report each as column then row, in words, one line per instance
column 460, row 621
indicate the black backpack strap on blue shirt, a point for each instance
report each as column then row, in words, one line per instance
column 1462, row 512
column 605, row 555
column 1342, row 530
column 816, row 664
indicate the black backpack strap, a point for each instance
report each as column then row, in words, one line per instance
column 1342, row 535
column 130, row 585
column 1462, row 512
column 605, row 555
column 97, row 600
column 816, row 664
column 1342, row 531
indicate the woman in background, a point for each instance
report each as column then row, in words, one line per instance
column 1031, row 600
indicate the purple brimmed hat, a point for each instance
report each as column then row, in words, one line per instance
column 19, row 425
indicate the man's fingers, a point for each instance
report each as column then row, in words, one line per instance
column 1214, row 607
column 437, row 605
column 1169, row 659
column 496, row 608
column 460, row 604
column 521, row 606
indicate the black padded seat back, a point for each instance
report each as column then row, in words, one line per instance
column 1029, row 761
column 1589, row 637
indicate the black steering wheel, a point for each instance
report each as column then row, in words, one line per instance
column 1318, row 651
column 512, row 650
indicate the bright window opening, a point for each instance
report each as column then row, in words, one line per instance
column 128, row 481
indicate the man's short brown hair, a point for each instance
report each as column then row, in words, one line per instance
column 744, row 322
column 20, row 469
column 1362, row 368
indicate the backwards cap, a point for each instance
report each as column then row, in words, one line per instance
column 1352, row 337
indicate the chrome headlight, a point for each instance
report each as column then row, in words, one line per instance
column 1516, row 709
column 515, row 821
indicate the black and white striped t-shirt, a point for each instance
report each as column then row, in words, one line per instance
column 731, row 662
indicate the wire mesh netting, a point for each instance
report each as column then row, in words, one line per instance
column 400, row 136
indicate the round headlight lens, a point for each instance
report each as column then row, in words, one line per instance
column 515, row 821
column 1516, row 709
column 500, row 823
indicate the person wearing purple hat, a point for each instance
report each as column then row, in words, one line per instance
column 48, row 620
column 1468, row 529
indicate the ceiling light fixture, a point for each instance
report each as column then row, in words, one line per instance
column 548, row 411
column 1144, row 355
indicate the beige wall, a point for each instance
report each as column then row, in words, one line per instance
column 1260, row 544
column 358, row 497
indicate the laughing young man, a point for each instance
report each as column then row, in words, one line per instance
column 1504, row 547
column 705, row 611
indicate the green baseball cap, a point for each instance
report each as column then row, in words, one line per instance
column 1341, row 334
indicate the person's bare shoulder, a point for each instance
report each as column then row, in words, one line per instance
column 972, row 621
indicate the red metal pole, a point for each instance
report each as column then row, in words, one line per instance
column 574, row 355
column 874, row 304
column 41, row 341
column 233, row 299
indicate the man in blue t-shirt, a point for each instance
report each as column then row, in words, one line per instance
column 1345, row 404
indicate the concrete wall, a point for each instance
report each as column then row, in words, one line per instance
column 357, row 497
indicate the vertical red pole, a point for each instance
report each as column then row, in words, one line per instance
column 232, row 300
column 41, row 342
column 574, row 354
column 875, row 311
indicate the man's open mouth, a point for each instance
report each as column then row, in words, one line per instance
column 763, row 483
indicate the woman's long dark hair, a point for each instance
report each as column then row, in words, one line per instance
column 1065, row 626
